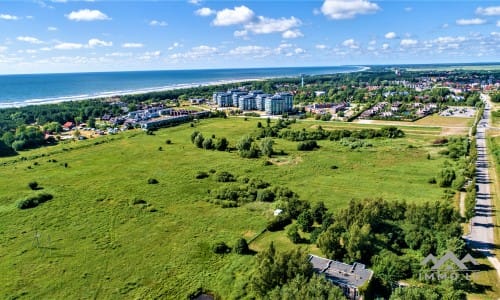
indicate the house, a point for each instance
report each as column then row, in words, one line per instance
column 68, row 126
column 350, row 278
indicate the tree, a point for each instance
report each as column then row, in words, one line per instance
column 91, row 122
column 221, row 144
column 359, row 245
column 318, row 211
column 305, row 221
column 207, row 144
column 52, row 127
column 198, row 140
column 446, row 177
column 293, row 234
column 241, row 246
column 221, row 248
column 330, row 242
column 77, row 134
column 193, row 135
column 266, row 146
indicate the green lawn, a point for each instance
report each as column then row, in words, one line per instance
column 94, row 243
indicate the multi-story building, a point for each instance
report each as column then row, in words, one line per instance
column 247, row 102
column 279, row 104
column 260, row 100
column 223, row 99
column 236, row 94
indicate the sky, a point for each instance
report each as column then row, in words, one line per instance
column 53, row 36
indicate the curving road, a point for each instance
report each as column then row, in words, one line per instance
column 481, row 237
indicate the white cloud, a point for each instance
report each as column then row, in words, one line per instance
column 408, row 42
column 3, row 48
column 350, row 43
column 299, row 51
column 321, row 47
column 52, row 28
column 268, row 25
column 238, row 15
column 195, row 2
column 8, row 17
column 385, row 46
column 476, row 21
column 132, row 45
column 292, row 34
column 68, row 46
column 240, row 33
column 119, row 54
column 347, row 9
column 150, row 55
column 29, row 39
column 45, row 49
column 205, row 12
column 96, row 42
column 250, row 50
column 498, row 23
column 174, row 46
column 488, row 11
column 448, row 40
column 158, row 23
column 390, row 35
column 408, row 9
column 446, row 25
column 87, row 15
column 202, row 51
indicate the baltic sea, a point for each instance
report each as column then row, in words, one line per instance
column 21, row 90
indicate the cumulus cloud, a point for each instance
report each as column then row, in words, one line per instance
column 98, row 43
column 52, row 28
column 195, row 53
column 347, row 9
column 195, row 2
column 87, row 15
column 237, row 15
column 390, row 35
column 8, row 17
column 68, row 46
column 250, row 50
column 240, row 33
column 268, row 25
column 174, row 46
column 321, row 47
column 498, row 23
column 132, row 45
column 476, row 21
column 299, row 51
column 3, row 48
column 385, row 46
column 158, row 23
column 292, row 34
column 29, row 39
column 350, row 43
column 488, row 11
column 205, row 12
column 408, row 42
column 119, row 54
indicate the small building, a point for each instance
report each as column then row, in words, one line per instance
column 350, row 278
column 68, row 126
column 277, row 212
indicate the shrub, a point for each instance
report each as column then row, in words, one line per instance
column 221, row 248
column 168, row 142
column 201, row 175
column 34, row 201
column 265, row 195
column 212, row 171
column 221, row 144
column 432, row 180
column 152, row 181
column 307, row 145
column 279, row 222
column 334, row 167
column 138, row 201
column 241, row 246
column 33, row 185
column 267, row 163
column 225, row 177
column 160, row 148
column 293, row 234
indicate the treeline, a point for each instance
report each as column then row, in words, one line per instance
column 336, row 135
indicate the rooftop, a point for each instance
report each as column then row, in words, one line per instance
column 354, row 275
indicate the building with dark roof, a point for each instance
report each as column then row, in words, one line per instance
column 350, row 278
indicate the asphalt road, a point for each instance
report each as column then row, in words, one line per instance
column 481, row 237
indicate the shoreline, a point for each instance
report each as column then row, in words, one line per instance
column 110, row 94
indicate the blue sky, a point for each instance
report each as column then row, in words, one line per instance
column 43, row 36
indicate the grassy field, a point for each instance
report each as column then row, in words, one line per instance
column 92, row 241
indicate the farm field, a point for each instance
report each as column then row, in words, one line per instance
column 95, row 239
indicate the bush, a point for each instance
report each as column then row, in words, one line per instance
column 168, row 142
column 293, row 234
column 201, row 175
column 241, row 246
column 33, row 185
column 432, row 180
column 279, row 222
column 138, row 201
column 152, row 181
column 334, row 167
column 225, row 177
column 307, row 145
column 267, row 163
column 221, row 248
column 265, row 195
column 34, row 201
column 212, row 171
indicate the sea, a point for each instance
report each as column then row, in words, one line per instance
column 31, row 89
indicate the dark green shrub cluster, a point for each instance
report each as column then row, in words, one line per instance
column 307, row 145
column 221, row 248
column 33, row 185
column 34, row 201
column 225, row 177
column 152, row 181
column 201, row 175
column 220, row 144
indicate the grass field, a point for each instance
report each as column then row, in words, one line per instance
column 91, row 241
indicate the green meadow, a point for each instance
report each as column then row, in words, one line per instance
column 95, row 239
